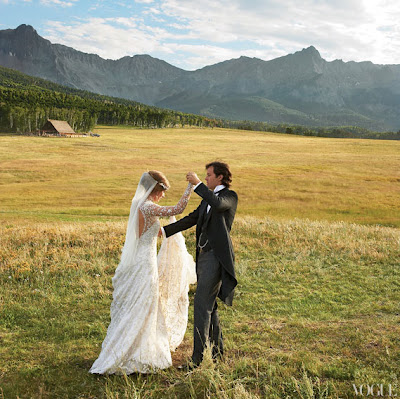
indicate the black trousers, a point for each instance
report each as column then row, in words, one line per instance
column 206, row 321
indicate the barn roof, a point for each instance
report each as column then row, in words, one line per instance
column 61, row 126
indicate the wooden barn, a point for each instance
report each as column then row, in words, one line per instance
column 58, row 128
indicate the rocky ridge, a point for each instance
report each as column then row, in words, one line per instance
column 299, row 88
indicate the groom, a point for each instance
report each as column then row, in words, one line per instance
column 214, row 254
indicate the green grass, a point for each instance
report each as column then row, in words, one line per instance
column 316, row 308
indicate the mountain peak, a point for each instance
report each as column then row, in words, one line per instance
column 310, row 51
column 309, row 59
column 25, row 29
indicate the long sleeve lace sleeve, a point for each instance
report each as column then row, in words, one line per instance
column 151, row 209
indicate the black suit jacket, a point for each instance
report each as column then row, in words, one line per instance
column 218, row 224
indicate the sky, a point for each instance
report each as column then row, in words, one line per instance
column 191, row 34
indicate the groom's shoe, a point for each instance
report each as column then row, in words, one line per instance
column 186, row 367
column 189, row 366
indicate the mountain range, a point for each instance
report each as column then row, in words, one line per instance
column 300, row 88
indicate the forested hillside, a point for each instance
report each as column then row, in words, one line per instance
column 27, row 102
column 297, row 89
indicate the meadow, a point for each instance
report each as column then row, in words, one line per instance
column 275, row 175
column 318, row 246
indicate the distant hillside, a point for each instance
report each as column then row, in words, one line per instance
column 26, row 102
column 300, row 88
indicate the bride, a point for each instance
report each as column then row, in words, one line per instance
column 150, row 298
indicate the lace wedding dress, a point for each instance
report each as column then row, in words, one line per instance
column 176, row 270
column 150, row 301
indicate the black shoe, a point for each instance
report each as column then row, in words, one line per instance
column 185, row 367
column 190, row 366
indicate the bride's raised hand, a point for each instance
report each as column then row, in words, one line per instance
column 192, row 178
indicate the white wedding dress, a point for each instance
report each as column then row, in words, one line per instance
column 150, row 300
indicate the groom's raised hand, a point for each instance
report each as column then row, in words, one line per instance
column 191, row 177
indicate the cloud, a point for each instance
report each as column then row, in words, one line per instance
column 348, row 29
column 110, row 38
column 196, row 54
column 62, row 3
column 193, row 33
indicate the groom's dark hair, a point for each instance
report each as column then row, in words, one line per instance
column 221, row 168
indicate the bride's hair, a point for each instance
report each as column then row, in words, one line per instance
column 162, row 181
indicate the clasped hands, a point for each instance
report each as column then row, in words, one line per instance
column 191, row 177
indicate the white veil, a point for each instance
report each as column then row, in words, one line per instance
column 144, row 189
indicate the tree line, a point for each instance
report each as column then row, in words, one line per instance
column 26, row 110
column 333, row 132
column 27, row 102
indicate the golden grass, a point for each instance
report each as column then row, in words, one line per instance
column 275, row 175
column 316, row 310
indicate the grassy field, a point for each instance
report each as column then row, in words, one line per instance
column 317, row 306
column 275, row 175
column 316, row 311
